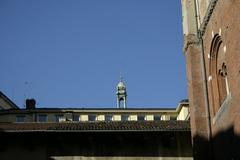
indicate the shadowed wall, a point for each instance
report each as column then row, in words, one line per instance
column 96, row 145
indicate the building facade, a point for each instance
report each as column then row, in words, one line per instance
column 120, row 113
column 46, row 115
column 211, row 46
column 95, row 133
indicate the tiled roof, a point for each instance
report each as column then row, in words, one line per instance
column 112, row 126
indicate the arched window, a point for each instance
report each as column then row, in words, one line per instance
column 222, row 82
column 218, row 72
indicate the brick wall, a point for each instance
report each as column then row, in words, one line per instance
column 214, row 106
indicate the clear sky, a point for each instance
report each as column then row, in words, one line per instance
column 69, row 53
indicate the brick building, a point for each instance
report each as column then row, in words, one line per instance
column 211, row 45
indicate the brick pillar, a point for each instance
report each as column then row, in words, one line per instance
column 197, row 99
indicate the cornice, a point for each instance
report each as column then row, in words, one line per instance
column 207, row 16
column 189, row 40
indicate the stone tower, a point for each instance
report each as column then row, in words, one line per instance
column 121, row 94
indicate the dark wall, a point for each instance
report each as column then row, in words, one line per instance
column 225, row 146
column 95, row 144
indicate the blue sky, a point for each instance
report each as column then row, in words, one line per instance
column 69, row 53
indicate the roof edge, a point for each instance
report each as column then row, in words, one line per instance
column 8, row 100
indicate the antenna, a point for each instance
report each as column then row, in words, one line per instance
column 27, row 89
column 121, row 77
column 25, row 93
column 13, row 93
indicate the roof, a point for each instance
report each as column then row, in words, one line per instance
column 113, row 126
column 88, row 110
column 11, row 103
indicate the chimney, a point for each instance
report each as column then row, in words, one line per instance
column 30, row 104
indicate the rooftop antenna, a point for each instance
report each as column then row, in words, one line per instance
column 13, row 93
column 27, row 88
column 121, row 77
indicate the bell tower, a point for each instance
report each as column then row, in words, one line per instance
column 121, row 94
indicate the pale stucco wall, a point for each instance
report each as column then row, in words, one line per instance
column 183, row 114
column 193, row 13
column 84, row 117
column 165, row 117
column 201, row 6
column 133, row 117
column 31, row 115
column 117, row 117
column 51, row 117
column 4, row 104
column 101, row 117
column 188, row 16
column 149, row 117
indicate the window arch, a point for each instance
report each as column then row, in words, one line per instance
column 218, row 72
column 222, row 82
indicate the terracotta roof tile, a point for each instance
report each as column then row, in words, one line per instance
column 96, row 126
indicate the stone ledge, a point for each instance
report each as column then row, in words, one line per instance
column 189, row 40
